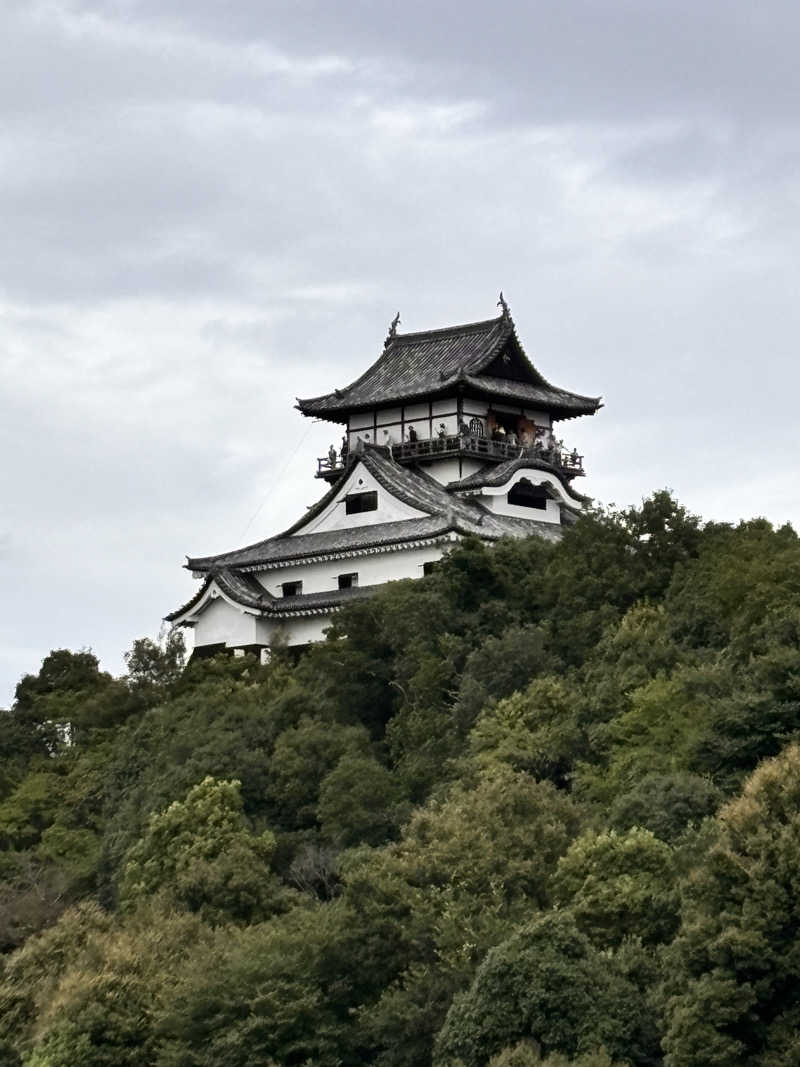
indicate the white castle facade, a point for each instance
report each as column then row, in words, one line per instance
column 450, row 433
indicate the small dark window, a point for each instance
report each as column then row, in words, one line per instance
column 292, row 588
column 358, row 502
column 348, row 581
column 525, row 495
column 429, row 567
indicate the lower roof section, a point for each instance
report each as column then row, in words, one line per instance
column 246, row 592
column 442, row 507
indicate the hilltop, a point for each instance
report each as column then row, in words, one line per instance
column 538, row 807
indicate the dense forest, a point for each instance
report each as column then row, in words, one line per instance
column 539, row 807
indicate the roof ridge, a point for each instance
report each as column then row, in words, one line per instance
column 441, row 331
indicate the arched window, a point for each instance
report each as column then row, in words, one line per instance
column 526, row 495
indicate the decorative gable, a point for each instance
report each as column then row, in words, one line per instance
column 359, row 500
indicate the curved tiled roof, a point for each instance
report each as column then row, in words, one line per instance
column 445, row 511
column 249, row 593
column 415, row 488
column 413, row 365
column 494, row 474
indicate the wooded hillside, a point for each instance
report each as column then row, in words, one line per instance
column 540, row 807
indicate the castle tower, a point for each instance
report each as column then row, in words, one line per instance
column 450, row 432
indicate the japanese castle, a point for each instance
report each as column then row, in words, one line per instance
column 449, row 433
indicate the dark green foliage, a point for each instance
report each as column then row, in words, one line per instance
column 520, row 804
column 665, row 804
column 619, row 886
column 200, row 855
column 549, row 984
column 733, row 982
column 360, row 801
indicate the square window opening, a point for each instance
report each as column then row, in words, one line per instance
column 355, row 503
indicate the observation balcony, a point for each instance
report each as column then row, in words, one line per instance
column 568, row 462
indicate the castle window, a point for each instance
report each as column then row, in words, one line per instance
column 291, row 588
column 355, row 503
column 348, row 581
column 429, row 567
column 525, row 495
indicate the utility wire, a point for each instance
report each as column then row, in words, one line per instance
column 279, row 479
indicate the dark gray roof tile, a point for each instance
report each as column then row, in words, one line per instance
column 414, row 365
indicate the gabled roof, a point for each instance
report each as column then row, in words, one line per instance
column 444, row 512
column 248, row 592
column 495, row 474
column 415, row 365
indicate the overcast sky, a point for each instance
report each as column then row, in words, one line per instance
column 210, row 208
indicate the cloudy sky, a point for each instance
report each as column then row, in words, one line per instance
column 210, row 208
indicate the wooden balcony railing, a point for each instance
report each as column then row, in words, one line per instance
column 570, row 463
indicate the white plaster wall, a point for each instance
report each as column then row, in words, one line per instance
column 361, row 420
column 474, row 406
column 371, row 570
column 501, row 506
column 444, row 470
column 496, row 497
column 415, row 411
column 470, row 466
column 396, row 421
column 299, row 631
column 389, row 415
column 220, row 621
column 335, row 517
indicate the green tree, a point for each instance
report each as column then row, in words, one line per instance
column 87, row 991
column 262, row 994
column 498, row 667
column 302, row 758
column 536, row 731
column 619, row 886
column 471, row 865
column 665, row 804
column 222, row 721
column 200, row 853
column 360, row 801
column 733, row 973
column 527, row 1054
column 549, row 984
column 155, row 666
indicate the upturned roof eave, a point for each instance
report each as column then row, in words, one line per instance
column 561, row 403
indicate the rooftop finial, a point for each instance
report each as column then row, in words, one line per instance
column 501, row 303
column 392, row 330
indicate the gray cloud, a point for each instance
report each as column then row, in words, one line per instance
column 209, row 210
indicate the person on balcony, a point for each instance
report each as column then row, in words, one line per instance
column 441, row 433
column 412, row 436
column 344, row 450
column 332, row 457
